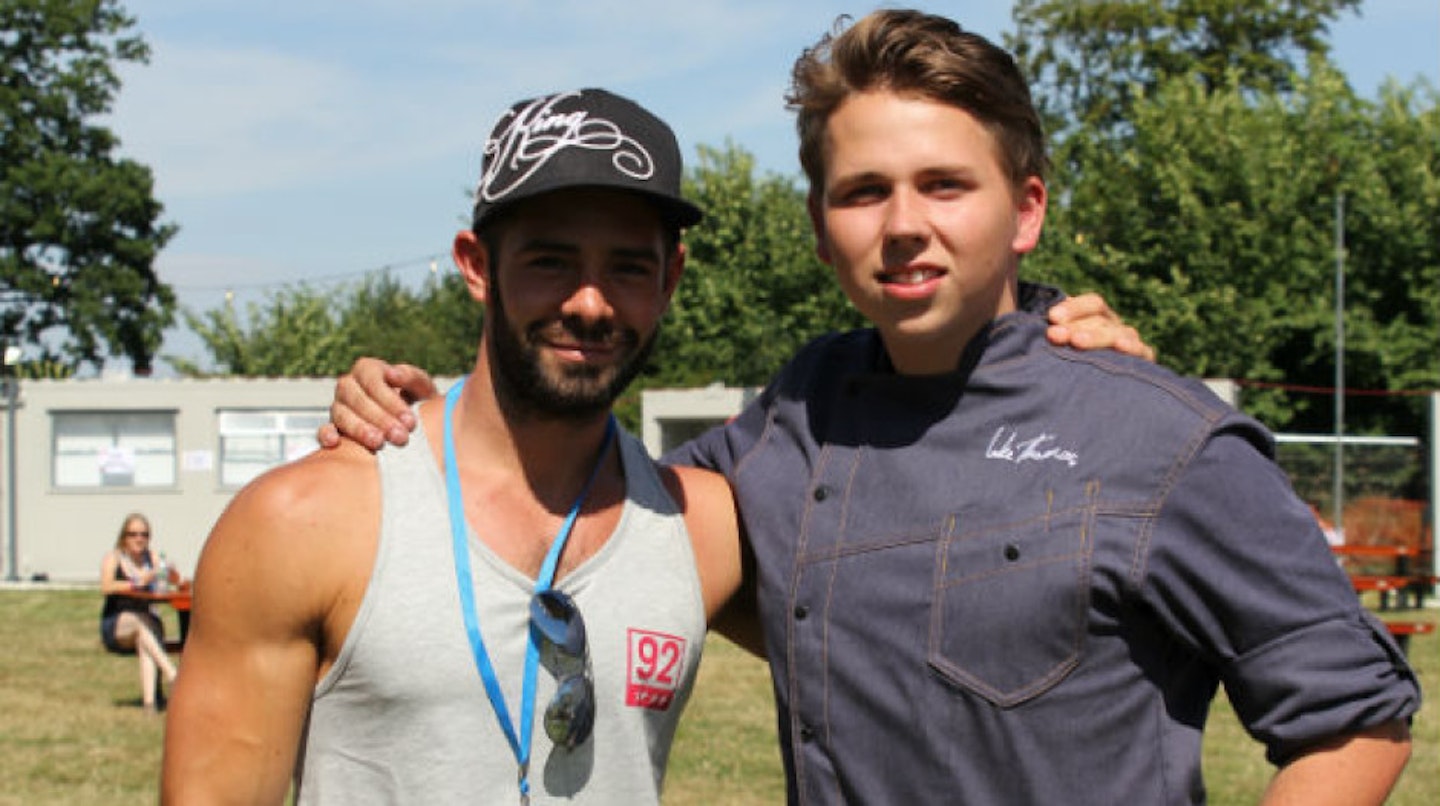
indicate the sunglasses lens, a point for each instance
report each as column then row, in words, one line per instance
column 571, row 713
column 554, row 615
column 560, row 631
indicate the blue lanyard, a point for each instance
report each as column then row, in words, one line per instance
column 520, row 745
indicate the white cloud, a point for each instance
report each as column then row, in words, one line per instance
column 307, row 103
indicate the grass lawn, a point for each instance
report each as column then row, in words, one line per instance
column 72, row 732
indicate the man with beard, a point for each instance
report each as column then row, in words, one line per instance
column 398, row 627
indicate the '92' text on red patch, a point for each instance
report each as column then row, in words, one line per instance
column 656, row 666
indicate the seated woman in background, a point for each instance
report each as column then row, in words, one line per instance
column 129, row 624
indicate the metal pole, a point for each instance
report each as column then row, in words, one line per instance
column 1434, row 480
column 12, row 556
column 1339, row 493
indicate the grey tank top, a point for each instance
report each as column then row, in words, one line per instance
column 402, row 716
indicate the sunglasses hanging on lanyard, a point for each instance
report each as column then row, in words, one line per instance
column 570, row 710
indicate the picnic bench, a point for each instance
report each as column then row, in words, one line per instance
column 1389, row 550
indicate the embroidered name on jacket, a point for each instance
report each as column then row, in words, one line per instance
column 538, row 132
column 1007, row 446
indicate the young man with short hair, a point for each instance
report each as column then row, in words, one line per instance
column 993, row 571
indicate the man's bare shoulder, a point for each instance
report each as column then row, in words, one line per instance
column 319, row 492
column 277, row 587
column 317, row 516
column 706, row 487
column 703, row 495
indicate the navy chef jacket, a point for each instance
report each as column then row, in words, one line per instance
column 1022, row 582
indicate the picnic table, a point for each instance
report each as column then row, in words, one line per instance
column 1391, row 571
column 178, row 598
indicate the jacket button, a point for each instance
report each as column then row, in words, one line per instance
column 821, row 493
column 807, row 734
column 801, row 611
column 1012, row 552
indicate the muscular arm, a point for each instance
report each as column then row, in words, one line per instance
column 274, row 590
column 722, row 563
column 739, row 620
column 1352, row 770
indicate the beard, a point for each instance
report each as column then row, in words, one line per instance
column 524, row 386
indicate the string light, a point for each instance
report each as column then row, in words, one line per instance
column 231, row 287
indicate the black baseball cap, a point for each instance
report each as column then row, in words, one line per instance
column 588, row 138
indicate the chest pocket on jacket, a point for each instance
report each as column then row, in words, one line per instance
column 1010, row 608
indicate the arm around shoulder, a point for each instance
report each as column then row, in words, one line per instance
column 709, row 508
column 722, row 558
column 269, row 579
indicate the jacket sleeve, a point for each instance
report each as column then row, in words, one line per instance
column 1238, row 570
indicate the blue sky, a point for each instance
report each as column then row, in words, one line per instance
column 317, row 141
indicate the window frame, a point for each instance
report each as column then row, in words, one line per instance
column 137, row 455
column 282, row 431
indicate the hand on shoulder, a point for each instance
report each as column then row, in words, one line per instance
column 372, row 404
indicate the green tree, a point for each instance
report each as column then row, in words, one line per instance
column 1200, row 148
column 753, row 290
column 303, row 331
column 292, row 333
column 1212, row 226
column 79, row 227
column 1089, row 61
column 43, row 369
column 436, row 327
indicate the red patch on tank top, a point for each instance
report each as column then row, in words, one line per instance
column 654, row 670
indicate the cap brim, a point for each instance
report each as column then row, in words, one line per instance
column 678, row 212
column 673, row 212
